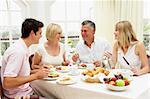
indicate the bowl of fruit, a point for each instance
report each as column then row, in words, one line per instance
column 117, row 83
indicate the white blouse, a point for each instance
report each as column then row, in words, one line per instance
column 130, row 56
column 50, row 59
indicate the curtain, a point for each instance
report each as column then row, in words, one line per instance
column 131, row 10
column 109, row 12
column 104, row 18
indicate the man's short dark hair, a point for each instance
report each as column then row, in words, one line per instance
column 90, row 23
column 28, row 25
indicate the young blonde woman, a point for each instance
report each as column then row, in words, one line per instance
column 52, row 52
column 128, row 52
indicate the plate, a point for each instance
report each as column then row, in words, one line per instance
column 89, row 79
column 117, row 88
column 63, row 71
column 51, row 79
column 67, row 82
column 80, row 67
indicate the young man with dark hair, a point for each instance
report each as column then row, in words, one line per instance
column 15, row 71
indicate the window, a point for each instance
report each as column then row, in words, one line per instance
column 146, row 17
column 73, row 12
column 10, row 22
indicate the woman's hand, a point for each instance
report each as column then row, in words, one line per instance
column 36, row 66
column 135, row 70
column 48, row 66
column 66, row 63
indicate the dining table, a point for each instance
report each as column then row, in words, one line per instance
column 139, row 88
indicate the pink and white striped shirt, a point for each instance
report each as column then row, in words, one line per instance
column 15, row 63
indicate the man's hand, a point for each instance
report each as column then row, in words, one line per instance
column 97, row 63
column 75, row 57
column 108, row 54
column 41, row 73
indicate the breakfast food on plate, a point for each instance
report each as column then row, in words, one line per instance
column 117, row 80
column 63, row 68
column 53, row 74
column 65, row 78
column 83, row 65
column 95, row 71
column 92, row 75
column 50, row 66
column 92, row 80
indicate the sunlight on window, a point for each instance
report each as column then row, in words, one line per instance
column 146, row 20
column 10, row 22
column 58, row 10
column 146, row 9
column 73, row 12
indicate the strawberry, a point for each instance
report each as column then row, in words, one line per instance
column 126, row 82
column 113, row 79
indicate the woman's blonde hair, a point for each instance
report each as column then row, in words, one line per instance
column 52, row 30
column 127, row 35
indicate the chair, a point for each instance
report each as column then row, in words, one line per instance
column 30, row 60
column 148, row 56
column 1, row 88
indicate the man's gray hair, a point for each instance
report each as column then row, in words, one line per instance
column 89, row 23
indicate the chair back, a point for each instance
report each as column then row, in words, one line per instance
column 148, row 61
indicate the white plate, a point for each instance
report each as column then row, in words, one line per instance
column 117, row 88
column 81, row 67
column 74, row 73
column 68, row 82
column 63, row 71
column 94, row 79
column 51, row 79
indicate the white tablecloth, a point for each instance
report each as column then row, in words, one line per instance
column 139, row 89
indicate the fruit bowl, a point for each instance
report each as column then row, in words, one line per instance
column 117, row 83
column 117, row 88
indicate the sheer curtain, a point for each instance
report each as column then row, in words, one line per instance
column 109, row 12
column 104, row 18
column 131, row 10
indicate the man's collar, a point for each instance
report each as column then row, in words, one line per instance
column 91, row 43
column 23, row 43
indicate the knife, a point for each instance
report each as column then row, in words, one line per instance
column 128, row 64
column 126, row 60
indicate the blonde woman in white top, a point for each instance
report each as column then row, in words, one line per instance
column 52, row 52
column 127, row 46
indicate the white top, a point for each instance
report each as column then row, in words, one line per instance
column 50, row 59
column 98, row 47
column 130, row 56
